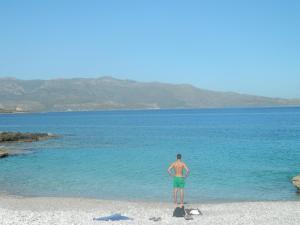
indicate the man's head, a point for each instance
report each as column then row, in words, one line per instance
column 178, row 156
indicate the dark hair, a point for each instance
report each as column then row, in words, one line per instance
column 178, row 156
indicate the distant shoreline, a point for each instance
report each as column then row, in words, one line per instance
column 152, row 109
column 108, row 93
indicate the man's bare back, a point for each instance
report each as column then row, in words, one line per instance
column 179, row 179
column 178, row 167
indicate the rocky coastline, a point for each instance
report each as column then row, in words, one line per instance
column 3, row 153
column 296, row 182
column 8, row 138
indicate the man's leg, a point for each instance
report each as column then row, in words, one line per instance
column 175, row 195
column 181, row 196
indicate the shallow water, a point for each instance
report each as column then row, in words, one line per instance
column 233, row 154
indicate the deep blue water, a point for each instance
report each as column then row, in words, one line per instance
column 233, row 154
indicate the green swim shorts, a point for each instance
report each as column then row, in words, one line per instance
column 178, row 182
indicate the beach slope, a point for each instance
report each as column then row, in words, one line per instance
column 63, row 211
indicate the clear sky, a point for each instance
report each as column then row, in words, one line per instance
column 244, row 46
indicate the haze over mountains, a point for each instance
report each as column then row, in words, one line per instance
column 110, row 93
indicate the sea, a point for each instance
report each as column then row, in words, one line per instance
column 234, row 154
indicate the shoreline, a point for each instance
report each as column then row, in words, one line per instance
column 153, row 109
column 66, row 210
column 7, row 194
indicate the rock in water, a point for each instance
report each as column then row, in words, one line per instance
column 24, row 137
column 9, row 138
column 296, row 182
column 3, row 153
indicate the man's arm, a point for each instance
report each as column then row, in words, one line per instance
column 169, row 170
column 186, row 169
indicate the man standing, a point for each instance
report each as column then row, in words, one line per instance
column 178, row 179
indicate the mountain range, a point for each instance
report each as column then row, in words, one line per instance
column 109, row 93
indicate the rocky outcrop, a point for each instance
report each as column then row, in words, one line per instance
column 296, row 182
column 6, row 151
column 8, row 138
column 24, row 137
column 3, row 153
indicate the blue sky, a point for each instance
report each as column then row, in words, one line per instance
column 244, row 46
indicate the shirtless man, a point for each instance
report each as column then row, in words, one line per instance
column 178, row 181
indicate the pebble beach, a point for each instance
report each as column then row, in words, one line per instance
column 16, row 210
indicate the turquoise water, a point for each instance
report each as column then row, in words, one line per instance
column 233, row 154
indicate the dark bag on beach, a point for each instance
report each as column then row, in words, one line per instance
column 179, row 212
